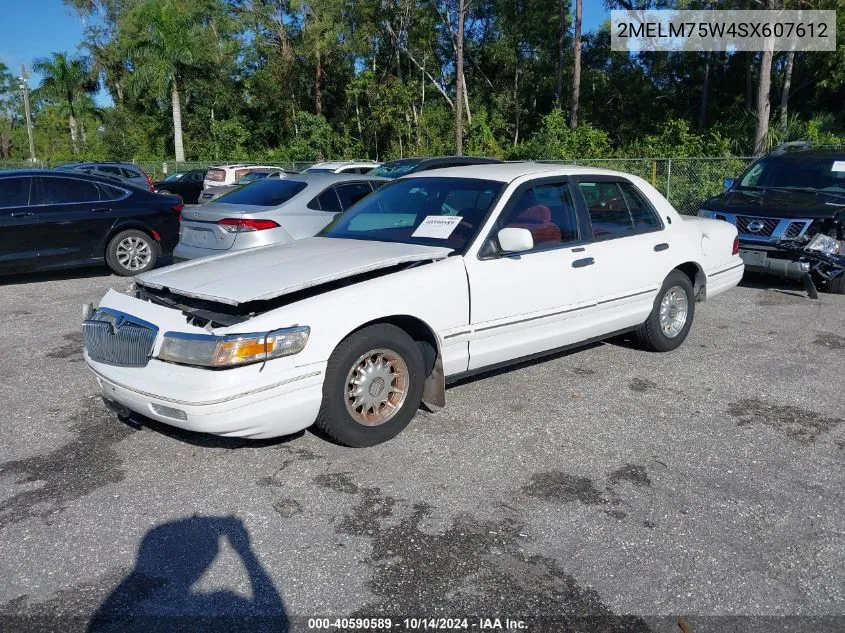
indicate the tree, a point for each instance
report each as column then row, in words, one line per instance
column 167, row 37
column 64, row 80
column 459, row 79
column 576, row 70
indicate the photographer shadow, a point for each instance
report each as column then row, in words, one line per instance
column 159, row 593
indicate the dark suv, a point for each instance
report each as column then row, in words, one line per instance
column 789, row 210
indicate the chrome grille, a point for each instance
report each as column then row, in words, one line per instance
column 795, row 229
column 767, row 226
column 118, row 339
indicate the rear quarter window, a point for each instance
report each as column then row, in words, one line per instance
column 264, row 193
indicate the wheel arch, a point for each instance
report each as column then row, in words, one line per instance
column 697, row 278
column 128, row 225
column 434, row 388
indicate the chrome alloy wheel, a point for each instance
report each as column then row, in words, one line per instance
column 674, row 308
column 376, row 387
column 133, row 253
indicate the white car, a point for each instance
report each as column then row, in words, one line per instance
column 224, row 175
column 342, row 167
column 432, row 277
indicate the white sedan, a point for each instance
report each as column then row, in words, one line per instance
column 434, row 276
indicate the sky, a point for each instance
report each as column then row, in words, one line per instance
column 36, row 28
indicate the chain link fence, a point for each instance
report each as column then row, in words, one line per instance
column 686, row 182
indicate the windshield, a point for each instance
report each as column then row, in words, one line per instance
column 252, row 177
column 429, row 211
column 268, row 192
column 396, row 168
column 175, row 177
column 318, row 170
column 797, row 172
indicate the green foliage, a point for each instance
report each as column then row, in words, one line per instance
column 555, row 141
column 305, row 79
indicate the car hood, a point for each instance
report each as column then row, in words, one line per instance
column 777, row 204
column 271, row 271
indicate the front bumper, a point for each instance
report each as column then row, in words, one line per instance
column 773, row 262
column 287, row 404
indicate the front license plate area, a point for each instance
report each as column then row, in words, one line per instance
column 753, row 258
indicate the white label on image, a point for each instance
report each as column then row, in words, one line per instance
column 838, row 165
column 437, row 226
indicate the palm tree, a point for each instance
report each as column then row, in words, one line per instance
column 64, row 80
column 169, row 42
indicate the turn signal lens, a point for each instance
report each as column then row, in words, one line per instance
column 242, row 225
column 233, row 349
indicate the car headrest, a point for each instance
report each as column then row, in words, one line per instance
column 536, row 213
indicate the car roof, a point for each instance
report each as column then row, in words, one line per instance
column 821, row 152
column 508, row 172
column 335, row 164
column 327, row 178
column 70, row 173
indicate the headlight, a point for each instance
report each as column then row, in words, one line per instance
column 825, row 244
column 703, row 213
column 233, row 349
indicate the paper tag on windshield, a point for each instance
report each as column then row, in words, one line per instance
column 838, row 165
column 437, row 226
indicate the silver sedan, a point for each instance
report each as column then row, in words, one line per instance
column 269, row 211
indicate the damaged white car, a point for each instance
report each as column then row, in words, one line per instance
column 435, row 276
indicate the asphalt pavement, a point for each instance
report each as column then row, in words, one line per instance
column 603, row 489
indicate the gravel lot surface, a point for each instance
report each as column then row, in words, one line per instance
column 604, row 489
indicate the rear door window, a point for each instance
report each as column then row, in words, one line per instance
column 265, row 193
column 107, row 192
column 608, row 211
column 66, row 191
column 326, row 201
column 111, row 171
column 617, row 209
column 352, row 193
column 643, row 215
column 14, row 192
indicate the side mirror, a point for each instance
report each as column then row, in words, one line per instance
column 728, row 183
column 515, row 240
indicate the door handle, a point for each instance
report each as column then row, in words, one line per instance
column 580, row 263
column 101, row 210
column 661, row 247
column 21, row 214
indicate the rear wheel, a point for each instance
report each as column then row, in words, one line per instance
column 373, row 387
column 131, row 252
column 671, row 317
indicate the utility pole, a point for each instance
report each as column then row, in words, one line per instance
column 24, row 78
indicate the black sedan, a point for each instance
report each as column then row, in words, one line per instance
column 187, row 184
column 51, row 219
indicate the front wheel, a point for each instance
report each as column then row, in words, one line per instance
column 373, row 387
column 671, row 317
column 131, row 252
column 836, row 285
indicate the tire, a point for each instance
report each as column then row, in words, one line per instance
column 341, row 415
column 651, row 335
column 836, row 286
column 131, row 252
